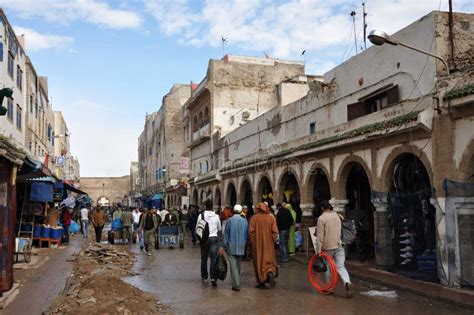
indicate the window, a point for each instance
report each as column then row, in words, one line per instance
column 312, row 128
column 150, row 150
column 19, row 78
column 10, row 65
column 10, row 109
column 31, row 103
column 36, row 110
column 50, row 134
column 18, row 117
column 195, row 124
column 380, row 99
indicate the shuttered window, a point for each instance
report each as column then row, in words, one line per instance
column 380, row 99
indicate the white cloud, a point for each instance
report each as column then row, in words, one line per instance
column 37, row 41
column 284, row 30
column 104, row 145
column 92, row 11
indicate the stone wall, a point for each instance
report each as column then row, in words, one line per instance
column 113, row 188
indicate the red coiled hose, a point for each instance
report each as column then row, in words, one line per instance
column 319, row 284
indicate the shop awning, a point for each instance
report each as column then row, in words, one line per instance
column 33, row 169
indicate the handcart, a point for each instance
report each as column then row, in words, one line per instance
column 169, row 236
column 23, row 247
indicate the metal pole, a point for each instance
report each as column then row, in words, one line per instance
column 451, row 35
column 365, row 25
column 354, row 25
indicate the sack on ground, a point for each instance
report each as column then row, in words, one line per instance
column 202, row 229
column 319, row 265
column 220, row 269
column 348, row 231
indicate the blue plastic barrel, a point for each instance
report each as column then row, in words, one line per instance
column 56, row 233
column 46, row 232
column 38, row 231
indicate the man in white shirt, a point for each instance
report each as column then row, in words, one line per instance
column 211, row 245
column 85, row 221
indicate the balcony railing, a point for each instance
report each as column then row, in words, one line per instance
column 202, row 133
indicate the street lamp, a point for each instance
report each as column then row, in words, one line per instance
column 379, row 38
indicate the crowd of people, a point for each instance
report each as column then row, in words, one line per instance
column 235, row 233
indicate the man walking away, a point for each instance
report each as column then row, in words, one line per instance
column 66, row 221
column 85, row 221
column 136, row 220
column 98, row 221
column 329, row 240
column 209, row 247
column 235, row 238
column 284, row 222
column 263, row 232
column 126, row 219
column 193, row 217
column 149, row 223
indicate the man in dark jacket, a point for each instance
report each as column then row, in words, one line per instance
column 284, row 221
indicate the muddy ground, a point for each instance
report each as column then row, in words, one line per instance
column 96, row 287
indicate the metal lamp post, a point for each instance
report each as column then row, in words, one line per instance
column 379, row 38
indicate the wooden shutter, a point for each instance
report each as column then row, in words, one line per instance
column 393, row 96
column 355, row 110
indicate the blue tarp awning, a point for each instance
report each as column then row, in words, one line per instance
column 156, row 197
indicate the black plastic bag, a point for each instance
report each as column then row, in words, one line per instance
column 319, row 265
column 220, row 269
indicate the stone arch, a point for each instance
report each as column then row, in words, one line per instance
column 206, row 115
column 264, row 187
column 318, row 186
column 230, row 194
column 245, row 192
column 103, row 201
column 343, row 173
column 217, row 197
column 240, row 182
column 289, row 177
column 392, row 158
column 465, row 171
column 195, row 197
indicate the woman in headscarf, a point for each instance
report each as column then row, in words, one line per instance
column 263, row 232
column 291, row 242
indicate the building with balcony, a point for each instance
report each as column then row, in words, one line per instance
column 235, row 91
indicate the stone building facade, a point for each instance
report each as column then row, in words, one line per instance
column 161, row 145
column 235, row 91
column 382, row 136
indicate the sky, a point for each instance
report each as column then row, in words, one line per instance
column 109, row 63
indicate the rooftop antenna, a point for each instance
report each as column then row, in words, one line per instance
column 353, row 13
column 223, row 45
column 303, row 53
column 365, row 25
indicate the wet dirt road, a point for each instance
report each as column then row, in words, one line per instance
column 173, row 275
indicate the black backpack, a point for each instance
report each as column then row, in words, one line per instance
column 202, row 229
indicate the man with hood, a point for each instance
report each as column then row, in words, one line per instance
column 263, row 233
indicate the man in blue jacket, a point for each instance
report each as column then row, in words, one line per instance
column 235, row 238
